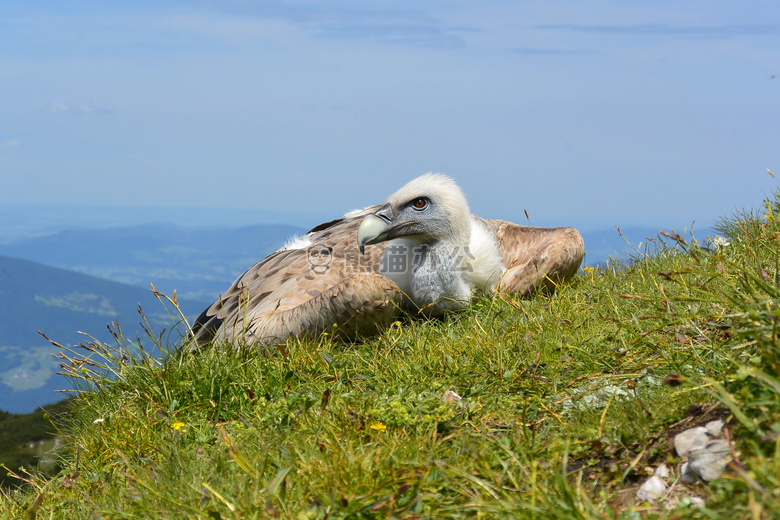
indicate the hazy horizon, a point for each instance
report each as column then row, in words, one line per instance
column 18, row 220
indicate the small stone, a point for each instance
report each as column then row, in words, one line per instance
column 689, row 440
column 709, row 462
column 651, row 490
column 715, row 428
column 697, row 501
column 692, row 501
column 686, row 475
column 662, row 471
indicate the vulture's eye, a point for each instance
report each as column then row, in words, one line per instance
column 420, row 204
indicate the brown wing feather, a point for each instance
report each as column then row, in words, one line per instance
column 536, row 258
column 299, row 291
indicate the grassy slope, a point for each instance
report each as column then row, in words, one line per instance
column 563, row 407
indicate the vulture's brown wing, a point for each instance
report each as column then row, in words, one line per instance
column 306, row 291
column 536, row 258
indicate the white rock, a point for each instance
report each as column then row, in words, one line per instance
column 686, row 475
column 697, row 501
column 715, row 428
column 691, row 439
column 662, row 471
column 652, row 489
column 691, row 501
column 709, row 462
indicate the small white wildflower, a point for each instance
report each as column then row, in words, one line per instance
column 720, row 241
column 451, row 397
column 98, row 421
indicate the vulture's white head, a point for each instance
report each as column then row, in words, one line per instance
column 427, row 210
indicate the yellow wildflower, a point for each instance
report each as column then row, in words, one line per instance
column 378, row 427
column 178, row 426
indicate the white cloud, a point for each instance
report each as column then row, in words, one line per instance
column 58, row 108
column 232, row 29
column 12, row 143
column 699, row 31
column 84, row 107
column 272, row 22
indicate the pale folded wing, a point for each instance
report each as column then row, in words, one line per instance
column 536, row 258
column 309, row 289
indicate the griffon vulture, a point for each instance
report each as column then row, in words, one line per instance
column 422, row 250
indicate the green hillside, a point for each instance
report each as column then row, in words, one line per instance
column 60, row 303
column 556, row 407
column 31, row 440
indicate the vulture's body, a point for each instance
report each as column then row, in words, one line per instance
column 422, row 250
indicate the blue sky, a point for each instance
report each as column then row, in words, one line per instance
column 591, row 114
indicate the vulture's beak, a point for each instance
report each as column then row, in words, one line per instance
column 376, row 227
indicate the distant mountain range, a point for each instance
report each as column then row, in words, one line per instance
column 59, row 303
column 198, row 263
column 92, row 277
column 24, row 221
